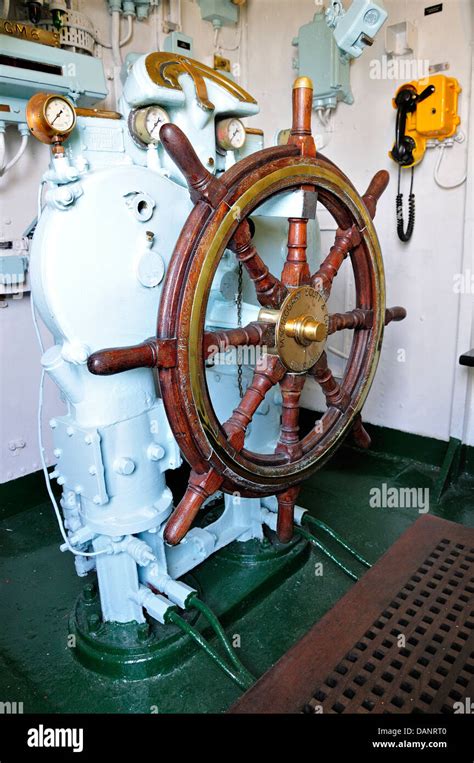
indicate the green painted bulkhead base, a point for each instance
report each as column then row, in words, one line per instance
column 264, row 612
column 136, row 651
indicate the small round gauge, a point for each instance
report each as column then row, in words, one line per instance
column 145, row 124
column 230, row 134
column 51, row 118
column 59, row 114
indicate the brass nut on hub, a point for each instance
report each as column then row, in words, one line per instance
column 306, row 330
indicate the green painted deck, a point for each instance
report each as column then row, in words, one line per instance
column 38, row 584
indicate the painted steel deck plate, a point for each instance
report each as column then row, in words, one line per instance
column 352, row 661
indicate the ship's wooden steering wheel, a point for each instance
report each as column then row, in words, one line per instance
column 294, row 321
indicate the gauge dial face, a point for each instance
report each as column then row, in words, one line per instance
column 51, row 118
column 146, row 123
column 230, row 134
column 59, row 115
column 156, row 117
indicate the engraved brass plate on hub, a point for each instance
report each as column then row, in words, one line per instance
column 301, row 328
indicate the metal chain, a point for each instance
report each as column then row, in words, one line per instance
column 239, row 322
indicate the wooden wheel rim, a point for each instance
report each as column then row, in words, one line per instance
column 205, row 443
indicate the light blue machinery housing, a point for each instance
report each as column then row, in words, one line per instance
column 112, row 214
column 329, row 42
column 26, row 67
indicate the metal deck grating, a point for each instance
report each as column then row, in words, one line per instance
column 426, row 584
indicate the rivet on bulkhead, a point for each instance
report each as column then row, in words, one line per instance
column 155, row 452
column 124, row 466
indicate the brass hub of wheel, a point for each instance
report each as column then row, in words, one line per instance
column 301, row 328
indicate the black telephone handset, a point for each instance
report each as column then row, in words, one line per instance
column 406, row 101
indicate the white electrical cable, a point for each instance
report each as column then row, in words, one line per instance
column 47, row 478
column 17, row 157
column 2, row 150
column 438, row 182
column 39, row 204
column 237, row 44
column 216, row 38
column 108, row 45
column 115, row 38
column 325, row 117
column 128, row 33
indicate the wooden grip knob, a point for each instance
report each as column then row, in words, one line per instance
column 376, row 188
column 395, row 314
column 118, row 359
column 300, row 134
column 200, row 487
column 361, row 437
column 203, row 186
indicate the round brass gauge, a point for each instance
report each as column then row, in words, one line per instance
column 230, row 134
column 51, row 118
column 145, row 124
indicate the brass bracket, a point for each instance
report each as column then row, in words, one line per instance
column 164, row 69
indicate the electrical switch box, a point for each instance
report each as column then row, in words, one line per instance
column 13, row 264
column 219, row 12
column 177, row 42
column 320, row 59
column 437, row 116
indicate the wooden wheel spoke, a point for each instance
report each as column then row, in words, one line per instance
column 291, row 387
column 268, row 372
column 345, row 242
column 286, row 513
column 296, row 269
column 270, row 291
column 360, row 319
column 349, row 239
column 336, row 396
column 253, row 335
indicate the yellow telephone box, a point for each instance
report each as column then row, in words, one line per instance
column 427, row 109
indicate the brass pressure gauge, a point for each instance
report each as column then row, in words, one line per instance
column 145, row 124
column 51, row 118
column 230, row 134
